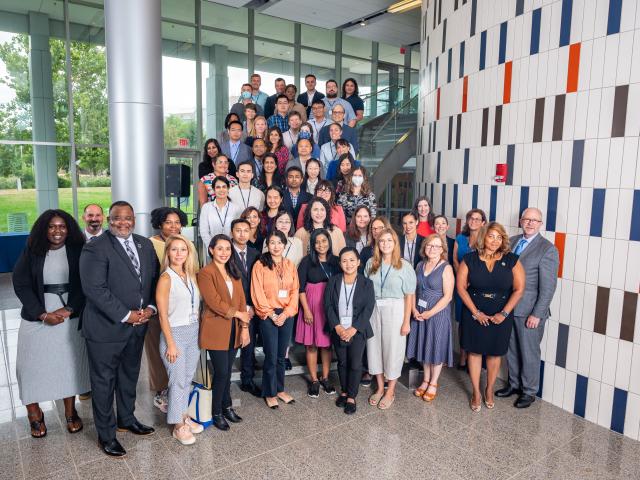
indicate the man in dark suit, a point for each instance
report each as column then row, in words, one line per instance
column 244, row 257
column 119, row 271
column 540, row 260
column 294, row 196
column 307, row 98
column 410, row 241
column 270, row 104
column 235, row 149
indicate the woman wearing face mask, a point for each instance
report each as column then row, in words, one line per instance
column 306, row 131
column 259, row 130
column 424, row 212
column 324, row 190
column 209, row 154
column 317, row 216
column 206, row 192
column 357, row 192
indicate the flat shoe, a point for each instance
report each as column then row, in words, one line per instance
column 272, row 407
column 383, row 405
column 374, row 399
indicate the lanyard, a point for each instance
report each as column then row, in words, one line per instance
column 411, row 247
column 215, row 207
column 191, row 289
column 235, row 155
column 291, row 137
column 246, row 204
column 383, row 280
column 286, row 254
column 334, row 150
column 317, row 128
column 348, row 297
column 331, row 104
column 324, row 270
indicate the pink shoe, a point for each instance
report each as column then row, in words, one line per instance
column 183, row 435
column 195, row 427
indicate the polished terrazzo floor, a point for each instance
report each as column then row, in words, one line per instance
column 314, row 439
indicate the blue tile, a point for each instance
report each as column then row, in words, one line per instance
column 431, row 196
column 511, row 153
column 597, row 212
column 502, row 52
column 438, row 167
column 449, row 65
column 461, row 70
column 552, row 209
column 433, row 147
column 580, row 400
column 535, row 31
column 618, row 410
column 524, row 200
column 519, row 7
column 565, row 22
column 634, row 232
column 483, row 49
column 539, row 394
column 493, row 203
column 474, row 11
column 444, row 35
column 443, row 205
column 454, row 210
column 474, row 197
column 435, row 79
column 615, row 12
column 576, row 163
column 561, row 345
column 465, row 171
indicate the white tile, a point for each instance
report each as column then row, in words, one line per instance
column 584, row 354
column 547, row 386
column 629, row 157
column 569, row 396
column 627, row 17
column 635, row 60
column 632, row 416
column 605, row 405
column 573, row 349
column 601, row 17
column 595, row 244
column 606, row 262
column 569, row 261
column 623, row 368
column 593, row 399
column 589, row 306
column 597, row 67
column 597, row 356
column 557, row 397
column 606, row 112
column 593, row 114
column 565, row 301
column 589, row 163
column 582, row 108
column 620, row 263
column 609, row 360
column 610, row 60
column 614, row 165
column 610, row 213
column 584, row 212
column 577, row 304
column 632, row 280
column 551, row 342
column 634, row 378
column 625, row 48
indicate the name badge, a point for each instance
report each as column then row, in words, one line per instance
column 422, row 303
column 345, row 322
column 193, row 317
column 283, row 293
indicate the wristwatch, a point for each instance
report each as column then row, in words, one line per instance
column 68, row 308
column 505, row 314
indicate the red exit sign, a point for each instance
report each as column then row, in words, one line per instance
column 183, row 142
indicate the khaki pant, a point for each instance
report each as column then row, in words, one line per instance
column 158, row 379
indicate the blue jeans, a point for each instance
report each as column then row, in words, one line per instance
column 275, row 341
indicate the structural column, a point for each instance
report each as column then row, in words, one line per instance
column 44, row 128
column 134, row 80
column 217, row 89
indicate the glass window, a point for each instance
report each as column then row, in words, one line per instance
column 360, row 71
column 390, row 54
column 322, row 65
column 15, row 95
column 18, row 208
column 318, row 37
column 358, row 47
column 274, row 28
column 415, row 59
column 272, row 61
column 232, row 42
column 221, row 16
column 184, row 10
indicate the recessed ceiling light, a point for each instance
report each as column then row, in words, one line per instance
column 363, row 23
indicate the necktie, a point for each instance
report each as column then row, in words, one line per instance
column 132, row 257
column 520, row 246
column 244, row 260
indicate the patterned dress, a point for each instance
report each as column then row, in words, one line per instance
column 207, row 180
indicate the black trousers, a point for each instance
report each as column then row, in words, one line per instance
column 247, row 355
column 349, row 362
column 114, row 368
column 275, row 341
column 222, row 361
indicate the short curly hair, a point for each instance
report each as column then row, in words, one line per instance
column 160, row 214
column 496, row 227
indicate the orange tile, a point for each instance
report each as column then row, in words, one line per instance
column 559, row 243
column 574, row 68
column 465, row 87
column 506, row 95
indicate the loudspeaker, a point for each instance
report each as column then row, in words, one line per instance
column 177, row 180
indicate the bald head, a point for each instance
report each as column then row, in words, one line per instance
column 531, row 221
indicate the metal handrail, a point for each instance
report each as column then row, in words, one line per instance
column 394, row 114
column 378, row 92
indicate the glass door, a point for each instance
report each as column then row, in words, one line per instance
column 388, row 87
column 188, row 205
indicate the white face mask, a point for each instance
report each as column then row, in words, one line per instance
column 357, row 181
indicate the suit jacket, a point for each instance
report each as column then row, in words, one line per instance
column 303, row 197
column 244, row 154
column 219, row 309
column 252, row 256
column 113, row 288
column 28, row 283
column 540, row 261
column 363, row 302
column 303, row 98
column 270, row 105
column 348, row 133
column 416, row 252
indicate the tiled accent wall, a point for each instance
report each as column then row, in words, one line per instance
column 552, row 89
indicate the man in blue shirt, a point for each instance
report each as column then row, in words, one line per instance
column 331, row 100
column 280, row 119
column 257, row 96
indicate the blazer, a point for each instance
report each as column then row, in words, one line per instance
column 303, row 98
column 270, row 105
column 113, row 288
column 219, row 309
column 303, row 197
column 416, row 252
column 540, row 261
column 348, row 133
column 28, row 283
column 252, row 256
column 364, row 299
column 244, row 153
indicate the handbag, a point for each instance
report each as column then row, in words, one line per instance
column 200, row 398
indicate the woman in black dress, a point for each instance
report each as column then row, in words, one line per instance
column 490, row 282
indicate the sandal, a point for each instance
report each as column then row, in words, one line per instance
column 383, row 405
column 489, row 405
column 419, row 392
column 374, row 399
column 74, row 423
column 36, row 426
column 429, row 397
column 475, row 408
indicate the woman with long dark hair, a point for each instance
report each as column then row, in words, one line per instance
column 275, row 145
column 274, row 198
column 350, row 93
column 216, row 216
column 210, row 152
column 256, row 239
column 221, row 165
column 357, row 191
column 423, row 209
column 270, row 175
column 358, row 232
column 225, row 324
column 52, row 358
column 275, row 295
column 324, row 189
column 317, row 215
column 294, row 250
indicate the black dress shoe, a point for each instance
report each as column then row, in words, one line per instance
column 524, row 401
column 113, row 448
column 287, row 364
column 341, row 401
column 220, row 423
column 350, row 408
column 231, row 415
column 251, row 388
column 507, row 392
column 137, row 429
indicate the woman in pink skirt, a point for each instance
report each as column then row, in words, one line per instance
column 314, row 271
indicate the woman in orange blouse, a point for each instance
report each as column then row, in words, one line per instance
column 274, row 290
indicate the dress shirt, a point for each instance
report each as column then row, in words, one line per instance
column 243, row 198
column 135, row 254
column 89, row 236
column 277, row 120
column 214, row 220
column 329, row 103
column 527, row 242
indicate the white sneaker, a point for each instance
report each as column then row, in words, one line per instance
column 183, row 435
column 195, row 427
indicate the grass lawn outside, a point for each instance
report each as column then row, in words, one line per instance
column 14, row 201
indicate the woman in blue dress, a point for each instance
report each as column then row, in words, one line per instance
column 466, row 243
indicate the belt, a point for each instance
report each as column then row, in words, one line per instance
column 58, row 289
column 491, row 295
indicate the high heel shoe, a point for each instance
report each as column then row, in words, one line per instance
column 489, row 405
column 475, row 408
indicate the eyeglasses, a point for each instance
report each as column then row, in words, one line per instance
column 475, row 219
column 530, row 220
column 338, row 112
column 433, row 247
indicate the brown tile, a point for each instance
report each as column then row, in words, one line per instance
column 538, row 120
column 602, row 310
column 558, row 117
column 618, row 122
column 629, row 306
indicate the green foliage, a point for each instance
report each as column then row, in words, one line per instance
column 176, row 127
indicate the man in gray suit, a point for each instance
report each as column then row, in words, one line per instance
column 235, row 149
column 540, row 260
column 119, row 272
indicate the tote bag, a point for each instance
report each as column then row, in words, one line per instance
column 200, row 398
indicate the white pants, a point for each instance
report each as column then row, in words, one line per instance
column 386, row 349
